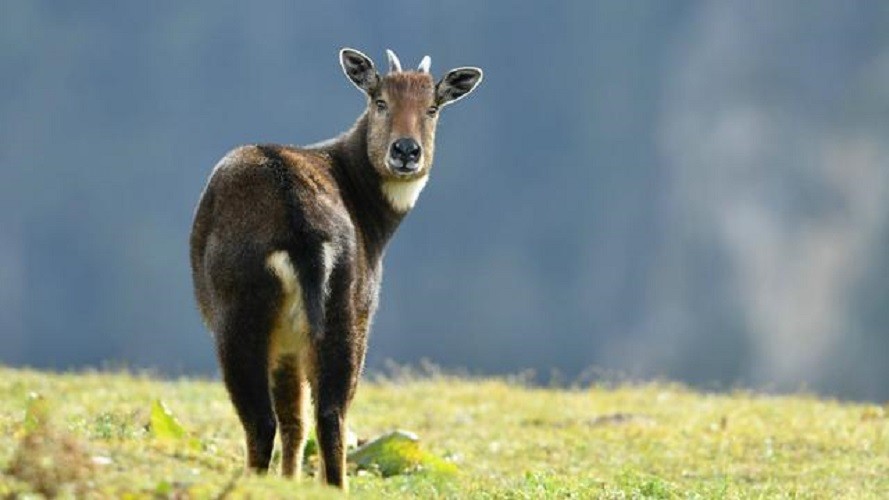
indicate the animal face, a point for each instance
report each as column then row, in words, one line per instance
column 401, row 124
column 402, row 111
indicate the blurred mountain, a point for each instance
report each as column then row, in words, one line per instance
column 688, row 189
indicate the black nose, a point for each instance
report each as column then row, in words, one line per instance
column 406, row 150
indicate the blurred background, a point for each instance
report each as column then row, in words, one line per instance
column 696, row 190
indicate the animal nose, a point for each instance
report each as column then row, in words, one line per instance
column 407, row 151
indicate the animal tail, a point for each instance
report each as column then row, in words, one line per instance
column 313, row 274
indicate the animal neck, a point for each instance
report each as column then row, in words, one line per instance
column 362, row 190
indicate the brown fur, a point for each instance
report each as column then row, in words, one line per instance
column 409, row 96
column 286, row 255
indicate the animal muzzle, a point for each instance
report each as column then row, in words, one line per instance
column 404, row 156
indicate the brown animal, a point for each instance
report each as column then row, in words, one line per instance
column 286, row 252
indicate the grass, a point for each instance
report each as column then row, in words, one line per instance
column 86, row 435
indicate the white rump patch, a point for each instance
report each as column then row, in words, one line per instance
column 290, row 336
column 402, row 195
column 279, row 263
column 293, row 309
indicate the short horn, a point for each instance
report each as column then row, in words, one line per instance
column 425, row 64
column 394, row 63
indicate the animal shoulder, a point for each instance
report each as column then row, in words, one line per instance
column 306, row 170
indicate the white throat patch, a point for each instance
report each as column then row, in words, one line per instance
column 402, row 195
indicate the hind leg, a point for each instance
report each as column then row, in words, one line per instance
column 291, row 393
column 338, row 366
column 334, row 388
column 244, row 358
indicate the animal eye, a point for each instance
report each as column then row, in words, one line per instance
column 432, row 110
column 381, row 105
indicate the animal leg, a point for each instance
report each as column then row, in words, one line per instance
column 290, row 391
column 337, row 371
column 245, row 372
column 330, row 414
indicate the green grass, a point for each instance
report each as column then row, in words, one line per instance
column 87, row 437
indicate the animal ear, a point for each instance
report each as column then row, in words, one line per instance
column 360, row 70
column 456, row 84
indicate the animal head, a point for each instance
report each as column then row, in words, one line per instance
column 402, row 110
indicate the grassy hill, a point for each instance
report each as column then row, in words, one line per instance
column 88, row 434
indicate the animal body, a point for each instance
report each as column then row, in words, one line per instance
column 286, row 252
